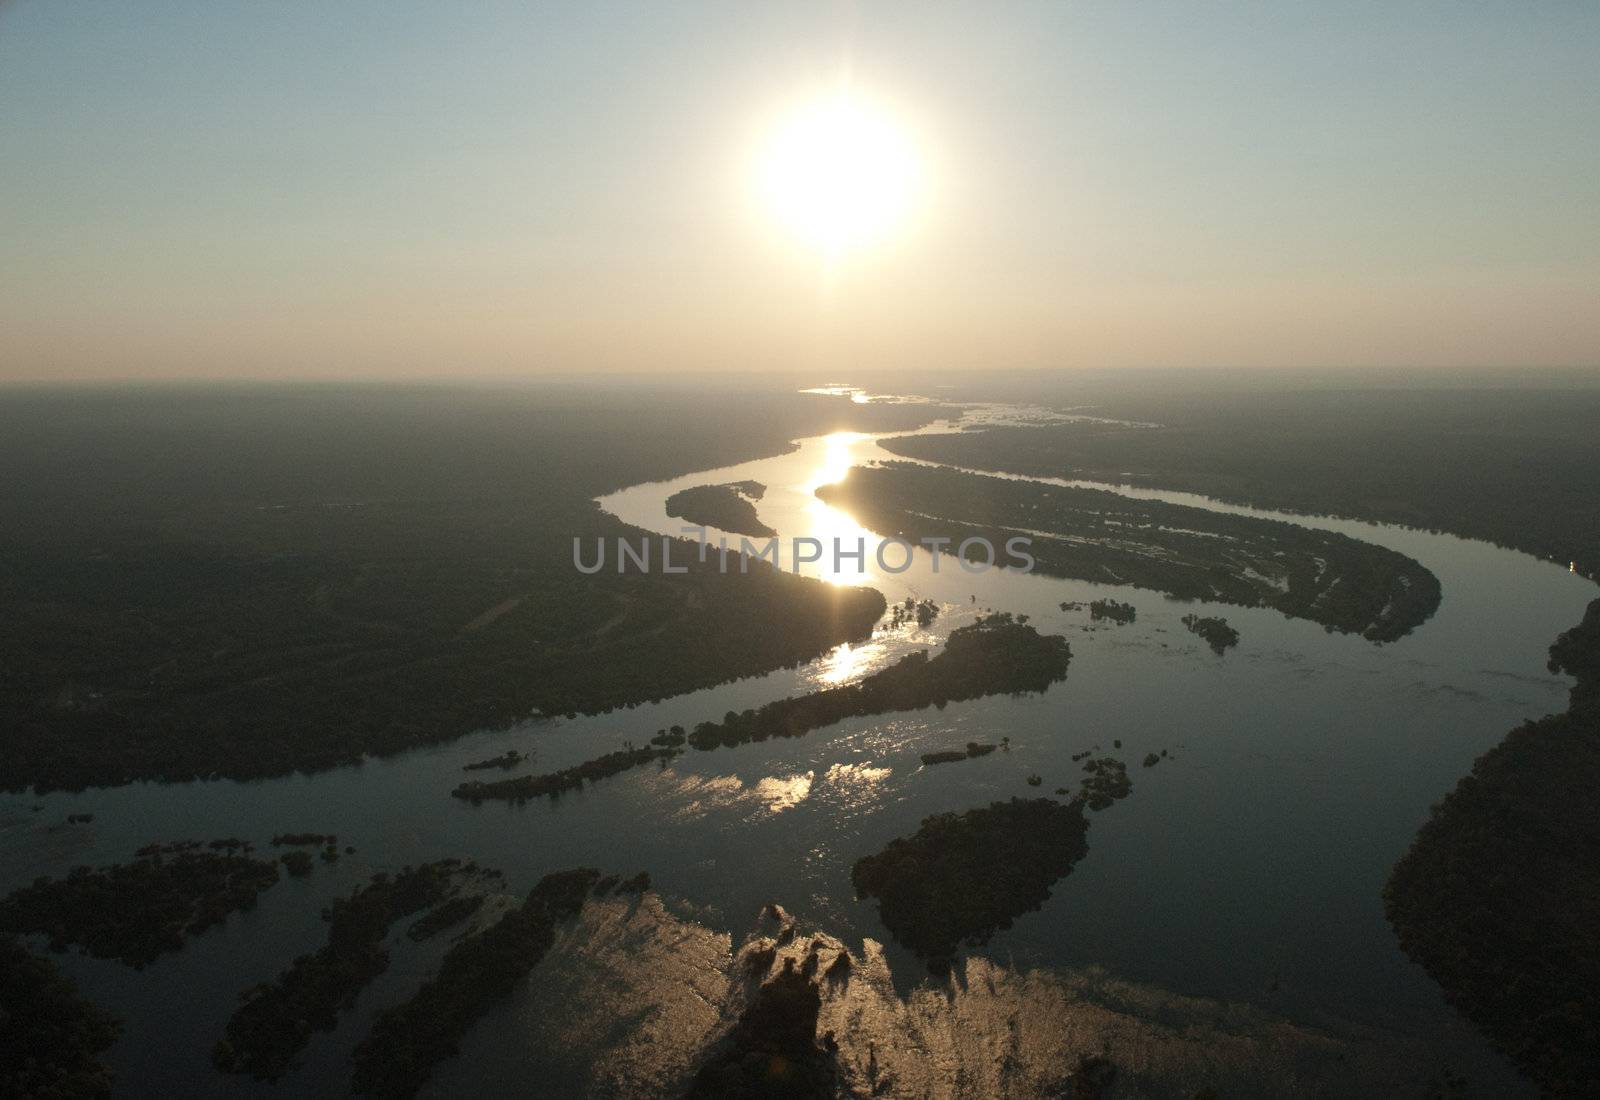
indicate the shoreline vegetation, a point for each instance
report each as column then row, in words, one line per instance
column 1186, row 553
column 505, row 762
column 962, row 877
column 727, row 507
column 1495, row 897
column 407, row 1041
column 276, row 1020
column 1498, row 897
column 973, row 750
column 1512, row 465
column 298, row 608
column 137, row 911
column 913, row 610
column 1107, row 782
column 1213, row 631
column 998, row 654
column 550, row 785
column 1120, row 613
column 947, row 885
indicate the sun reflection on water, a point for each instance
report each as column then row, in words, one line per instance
column 836, row 459
column 702, row 795
column 850, row 662
column 832, row 527
column 780, row 793
column 855, row 787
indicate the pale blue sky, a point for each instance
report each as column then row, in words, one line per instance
column 298, row 189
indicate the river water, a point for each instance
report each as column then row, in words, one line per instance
column 1244, row 870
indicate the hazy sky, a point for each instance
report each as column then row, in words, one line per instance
column 294, row 189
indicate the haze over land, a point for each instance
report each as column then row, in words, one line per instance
column 717, row 551
column 231, row 190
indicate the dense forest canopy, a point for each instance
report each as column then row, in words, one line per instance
column 1187, row 553
column 1515, row 466
column 250, row 581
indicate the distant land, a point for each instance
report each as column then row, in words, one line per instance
column 362, row 570
column 1516, row 465
column 726, row 507
column 1497, row 897
column 1187, row 553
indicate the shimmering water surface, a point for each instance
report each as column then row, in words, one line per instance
column 1244, row 870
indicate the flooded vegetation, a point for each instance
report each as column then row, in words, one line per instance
column 974, row 749
column 962, row 877
column 1187, row 553
column 408, row 1040
column 274, row 1022
column 673, row 994
column 492, row 448
column 1112, row 610
column 1213, row 631
column 1513, row 466
column 137, row 911
column 913, row 610
column 504, row 762
column 729, row 507
column 552, row 785
column 401, row 577
column 995, row 655
column 1107, row 783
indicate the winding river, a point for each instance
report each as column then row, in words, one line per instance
column 1245, row 869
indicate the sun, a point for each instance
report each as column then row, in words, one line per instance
column 839, row 173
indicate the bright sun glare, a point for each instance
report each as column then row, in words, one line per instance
column 840, row 173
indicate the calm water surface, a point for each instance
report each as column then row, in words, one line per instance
column 1246, row 867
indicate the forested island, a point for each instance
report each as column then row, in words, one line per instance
column 973, row 750
column 409, row 1040
column 1499, row 895
column 1120, row 613
column 962, row 877
column 504, row 762
column 402, row 575
column 1513, row 464
column 274, row 1022
column 921, row 612
column 727, row 507
column 551, row 785
column 1496, row 896
column 1186, row 553
column 1213, row 631
column 995, row 655
column 140, row 910
column 1107, row 782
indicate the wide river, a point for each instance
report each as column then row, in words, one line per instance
column 1244, row 870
